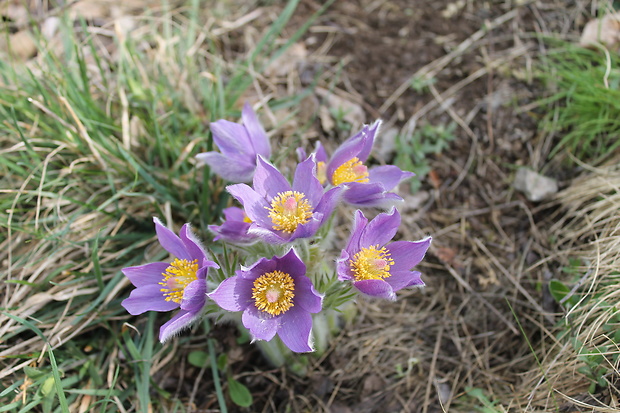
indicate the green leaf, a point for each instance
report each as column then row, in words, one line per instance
column 559, row 290
column 34, row 373
column 239, row 394
column 47, row 387
column 198, row 358
column 222, row 362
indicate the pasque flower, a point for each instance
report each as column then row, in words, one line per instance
column 162, row 286
column 276, row 297
column 376, row 268
column 239, row 145
column 235, row 227
column 346, row 167
column 281, row 212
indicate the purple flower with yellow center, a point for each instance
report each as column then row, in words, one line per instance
column 235, row 227
column 239, row 145
column 376, row 268
column 162, row 286
column 364, row 187
column 276, row 297
column 281, row 212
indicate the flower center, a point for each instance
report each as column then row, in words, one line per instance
column 288, row 210
column 177, row 276
column 352, row 170
column 273, row 292
column 321, row 172
column 371, row 263
column 246, row 219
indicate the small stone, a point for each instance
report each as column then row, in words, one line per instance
column 534, row 186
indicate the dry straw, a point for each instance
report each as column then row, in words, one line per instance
column 589, row 233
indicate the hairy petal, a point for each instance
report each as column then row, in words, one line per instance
column 388, row 175
column 295, row 330
column 403, row 279
column 181, row 320
column 258, row 136
column 233, row 294
column 408, row 254
column 381, row 229
column 233, row 168
column 170, row 241
column 262, row 325
column 376, row 288
column 146, row 274
column 147, row 298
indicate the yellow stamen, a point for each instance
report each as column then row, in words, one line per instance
column 246, row 219
column 273, row 292
column 177, row 276
column 288, row 210
column 352, row 170
column 321, row 172
column 371, row 263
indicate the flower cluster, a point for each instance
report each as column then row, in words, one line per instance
column 279, row 232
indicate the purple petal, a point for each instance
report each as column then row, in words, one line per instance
column 376, row 288
column 369, row 195
column 194, row 296
column 268, row 181
column 359, row 223
column 295, row 329
column 254, row 204
column 233, row 294
column 231, row 168
column 381, row 229
column 403, row 279
column 234, row 214
column 306, row 296
column 146, row 274
column 408, row 254
column 290, row 263
column 232, row 139
column 263, row 326
column 343, row 267
column 170, row 241
column 147, row 298
column 319, row 151
column 181, row 320
column 308, row 229
column 328, row 203
column 232, row 231
column 301, row 154
column 192, row 244
column 388, row 175
column 345, row 152
column 268, row 235
column 369, row 133
column 258, row 137
column 306, row 182
column 260, row 267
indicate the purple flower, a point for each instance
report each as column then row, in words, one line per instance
column 364, row 187
column 377, row 269
column 276, row 297
column 239, row 145
column 281, row 212
column 235, row 227
column 162, row 286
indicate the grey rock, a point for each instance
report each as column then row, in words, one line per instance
column 534, row 186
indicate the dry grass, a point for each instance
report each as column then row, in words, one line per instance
column 590, row 233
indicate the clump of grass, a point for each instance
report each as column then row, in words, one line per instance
column 586, row 85
column 95, row 141
column 585, row 353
